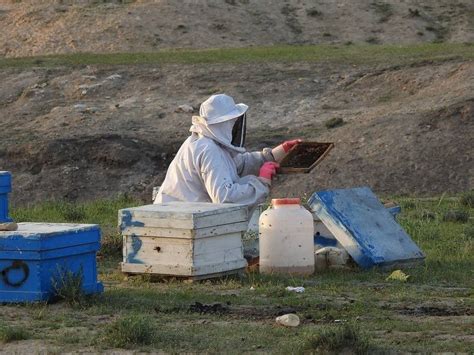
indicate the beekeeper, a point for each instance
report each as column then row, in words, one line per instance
column 212, row 165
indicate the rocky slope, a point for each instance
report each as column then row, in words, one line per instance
column 32, row 27
column 93, row 132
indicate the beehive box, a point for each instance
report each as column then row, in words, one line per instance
column 188, row 239
column 5, row 189
column 36, row 259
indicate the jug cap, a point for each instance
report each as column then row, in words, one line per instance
column 286, row 201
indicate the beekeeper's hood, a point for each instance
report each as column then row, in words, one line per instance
column 223, row 121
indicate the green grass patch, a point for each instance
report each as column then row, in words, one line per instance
column 12, row 333
column 467, row 199
column 339, row 310
column 334, row 122
column 129, row 331
column 338, row 338
column 354, row 54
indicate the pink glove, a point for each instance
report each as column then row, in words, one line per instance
column 280, row 151
column 287, row 145
column 267, row 171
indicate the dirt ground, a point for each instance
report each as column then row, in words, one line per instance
column 94, row 132
column 31, row 27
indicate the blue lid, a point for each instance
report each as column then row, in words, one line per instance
column 47, row 236
column 5, row 182
column 364, row 227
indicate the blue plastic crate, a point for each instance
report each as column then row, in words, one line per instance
column 365, row 228
column 5, row 189
column 35, row 257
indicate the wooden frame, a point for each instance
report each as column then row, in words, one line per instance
column 285, row 169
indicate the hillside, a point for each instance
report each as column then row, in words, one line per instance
column 51, row 27
column 82, row 132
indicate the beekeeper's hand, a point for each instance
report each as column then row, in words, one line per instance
column 280, row 151
column 267, row 171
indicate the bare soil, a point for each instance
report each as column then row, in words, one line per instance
column 92, row 132
column 31, row 27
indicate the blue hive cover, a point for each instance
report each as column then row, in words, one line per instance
column 365, row 228
column 5, row 182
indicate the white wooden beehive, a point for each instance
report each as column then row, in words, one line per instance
column 190, row 239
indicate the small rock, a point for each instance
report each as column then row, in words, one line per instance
column 288, row 320
column 130, row 102
column 114, row 77
column 80, row 107
column 8, row 226
column 298, row 289
column 185, row 108
column 87, row 87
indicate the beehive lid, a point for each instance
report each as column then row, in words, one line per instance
column 191, row 215
column 5, row 181
column 365, row 228
column 47, row 236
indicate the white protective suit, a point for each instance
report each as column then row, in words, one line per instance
column 208, row 168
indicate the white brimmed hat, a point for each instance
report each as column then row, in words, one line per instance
column 220, row 108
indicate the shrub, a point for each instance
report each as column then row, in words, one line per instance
column 67, row 286
column 467, row 199
column 9, row 334
column 313, row 12
column 428, row 215
column 456, row 216
column 129, row 331
column 334, row 122
column 338, row 338
column 73, row 213
column 469, row 231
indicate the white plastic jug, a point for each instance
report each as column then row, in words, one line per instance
column 286, row 238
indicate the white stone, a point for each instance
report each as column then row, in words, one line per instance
column 185, row 108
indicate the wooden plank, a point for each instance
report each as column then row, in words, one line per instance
column 219, row 267
column 171, row 270
column 218, row 243
column 157, row 250
column 215, row 275
column 162, row 251
column 180, row 270
column 136, row 218
column 191, row 279
column 186, row 233
column 220, row 256
column 185, row 210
